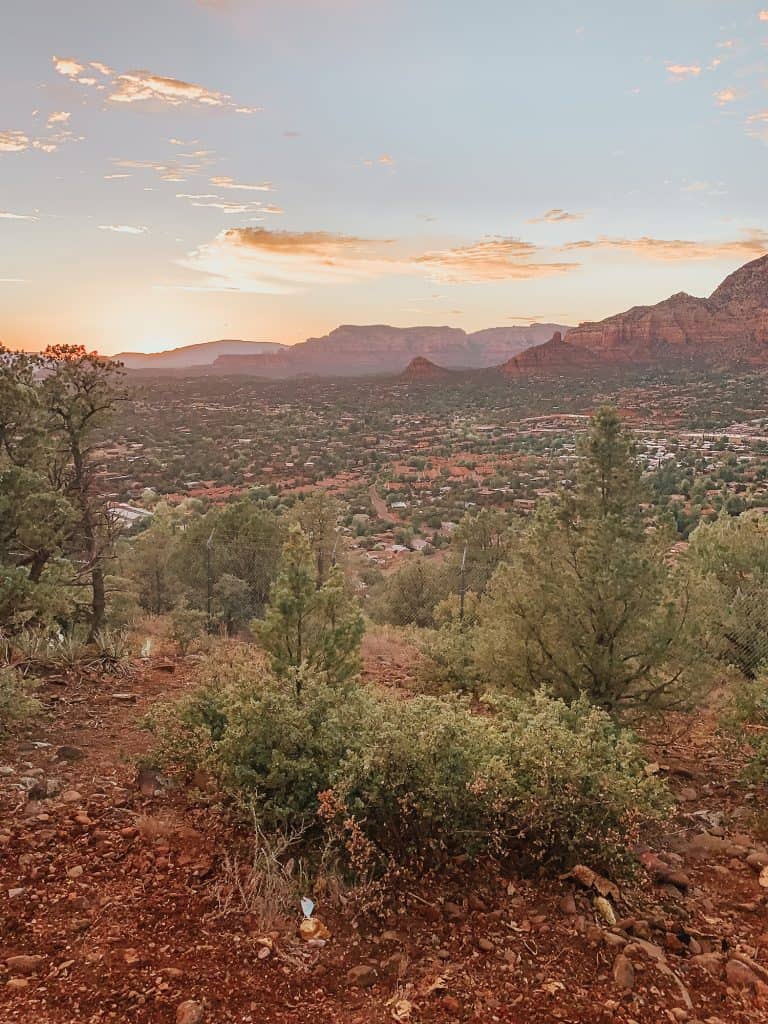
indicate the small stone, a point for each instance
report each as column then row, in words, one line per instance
column 23, row 964
column 568, row 904
column 75, row 872
column 450, row 1004
column 758, row 860
column 69, row 753
column 362, row 976
column 453, row 912
column 189, row 1012
column 624, row 973
column 71, row 796
column 712, row 963
column 16, row 983
column 688, row 794
column 738, row 975
column 485, row 945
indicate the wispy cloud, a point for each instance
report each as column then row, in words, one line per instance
column 13, row 141
column 8, row 215
column 124, row 229
column 763, row 15
column 146, row 87
column 281, row 262
column 556, row 216
column 757, row 125
column 726, row 96
column 681, row 71
column 173, row 170
column 59, row 117
column 753, row 243
column 224, row 182
column 494, row 259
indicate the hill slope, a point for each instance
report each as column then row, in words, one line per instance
column 203, row 354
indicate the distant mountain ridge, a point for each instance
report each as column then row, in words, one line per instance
column 352, row 350
column 203, row 354
column 730, row 327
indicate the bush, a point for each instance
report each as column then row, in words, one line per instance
column 16, row 701
column 746, row 718
column 412, row 781
column 273, row 745
column 187, row 625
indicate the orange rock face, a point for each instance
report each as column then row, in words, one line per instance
column 731, row 325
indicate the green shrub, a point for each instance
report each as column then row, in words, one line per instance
column 412, row 781
column 16, row 701
column 187, row 625
column 746, row 719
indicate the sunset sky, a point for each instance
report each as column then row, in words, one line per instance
column 174, row 171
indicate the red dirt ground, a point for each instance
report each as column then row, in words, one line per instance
column 114, row 892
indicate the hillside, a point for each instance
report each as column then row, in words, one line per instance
column 350, row 350
column 730, row 326
column 203, row 354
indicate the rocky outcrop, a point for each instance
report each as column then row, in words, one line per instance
column 424, row 369
column 358, row 351
column 550, row 359
column 729, row 326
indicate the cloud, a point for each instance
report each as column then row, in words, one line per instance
column 385, row 160
column 680, row 71
column 7, row 215
column 556, row 216
column 224, row 182
column 726, row 96
column 757, row 126
column 59, row 117
column 763, row 15
column 13, row 142
column 14, row 280
column 123, row 229
column 754, row 243
column 174, row 170
column 495, row 259
column 282, row 262
column 144, row 86
column 68, row 67
column 210, row 200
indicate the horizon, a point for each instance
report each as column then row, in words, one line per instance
column 268, row 171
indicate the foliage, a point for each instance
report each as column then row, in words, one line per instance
column 412, row 781
column 448, row 661
column 310, row 627
column 16, row 700
column 187, row 625
column 588, row 600
column 410, row 595
column 729, row 559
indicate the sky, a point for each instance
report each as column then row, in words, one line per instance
column 175, row 171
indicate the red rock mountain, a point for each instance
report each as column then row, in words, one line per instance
column 421, row 369
column 357, row 351
column 730, row 326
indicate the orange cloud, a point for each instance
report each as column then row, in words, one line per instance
column 556, row 216
column 13, row 142
column 497, row 259
column 726, row 96
column 680, row 71
column 757, row 125
column 123, row 229
column 754, row 243
column 763, row 15
column 224, row 182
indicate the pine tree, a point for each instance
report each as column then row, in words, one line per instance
column 588, row 601
column 307, row 627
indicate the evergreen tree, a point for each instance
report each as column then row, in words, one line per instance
column 588, row 601
column 306, row 626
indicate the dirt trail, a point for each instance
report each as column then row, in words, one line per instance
column 109, row 899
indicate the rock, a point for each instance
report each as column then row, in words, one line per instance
column 476, row 904
column 738, row 975
column 485, row 945
column 688, row 794
column 190, row 1012
column 14, row 984
column 75, row 872
column 605, row 910
column 23, row 964
column 68, row 753
column 624, row 973
column 712, row 963
column 312, row 929
column 704, row 846
column 71, row 796
column 758, row 860
column 450, row 1004
column 395, row 965
column 362, row 976
column 453, row 912
column 568, row 904
column 151, row 781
